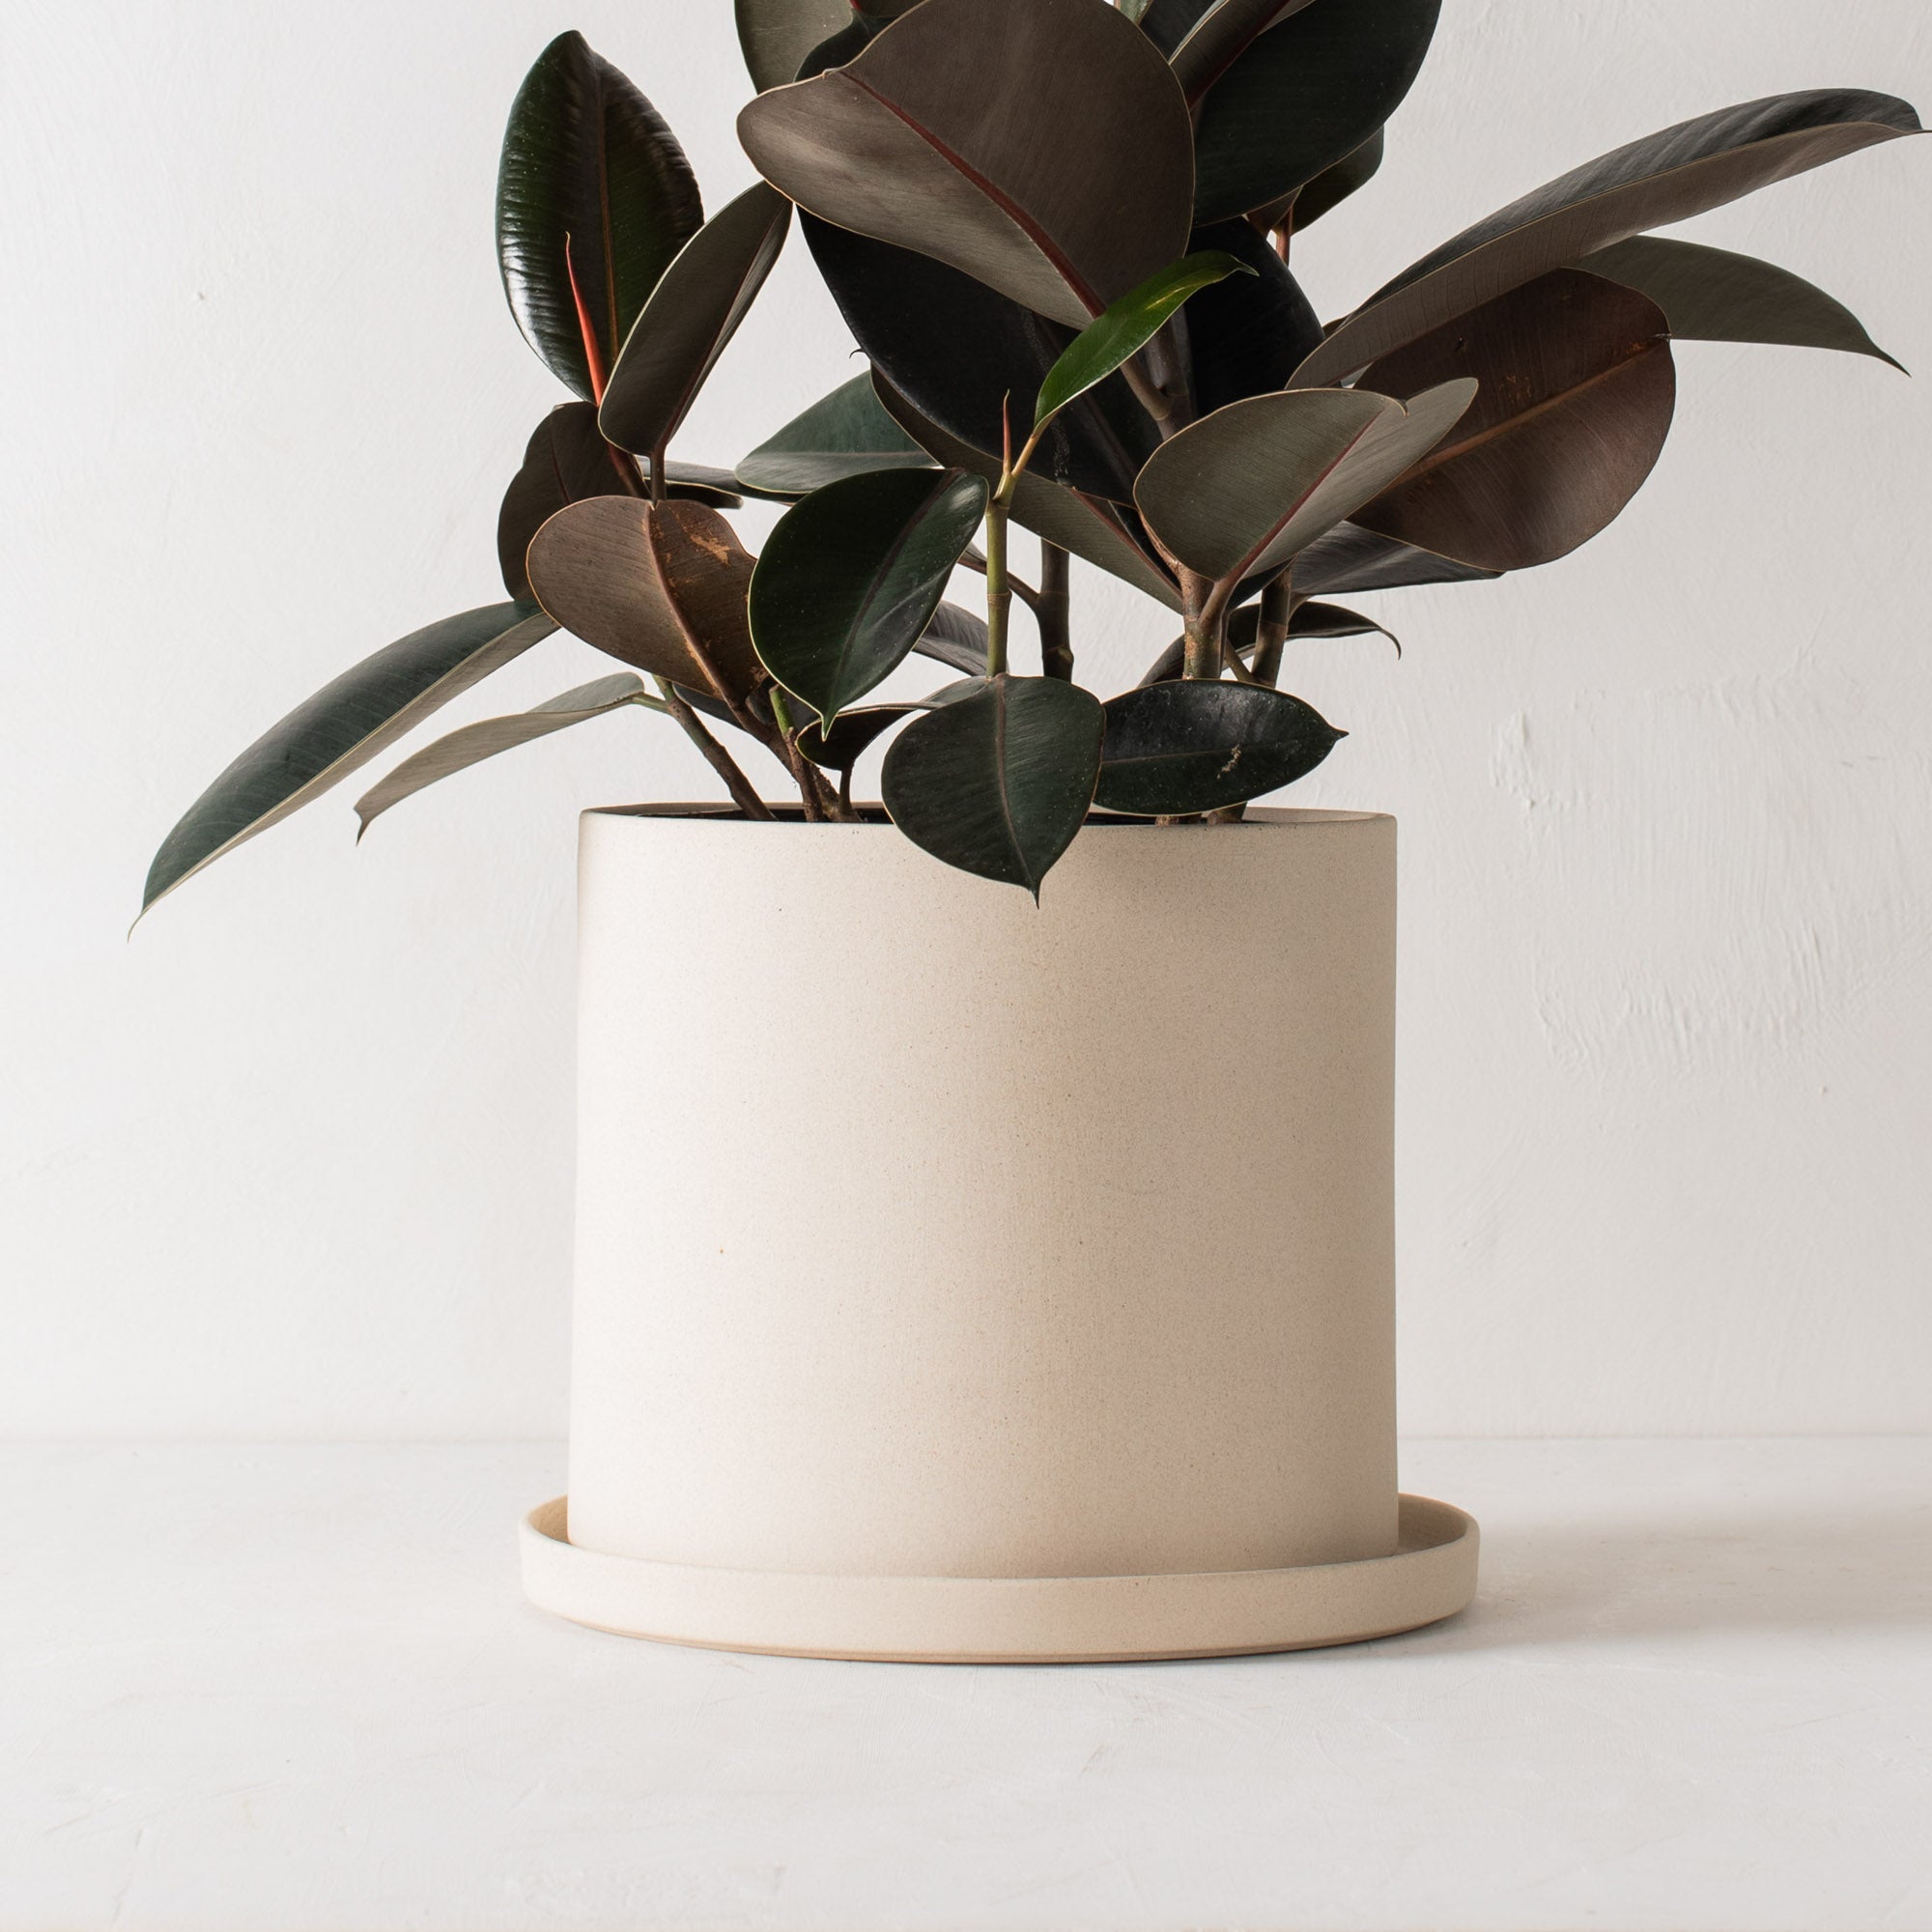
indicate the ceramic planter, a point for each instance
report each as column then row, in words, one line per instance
column 957, row 1279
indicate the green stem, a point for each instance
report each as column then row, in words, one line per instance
column 999, row 517
column 999, row 592
column 975, row 559
column 1054, row 613
column 812, row 789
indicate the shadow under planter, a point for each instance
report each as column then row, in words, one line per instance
column 962, row 1279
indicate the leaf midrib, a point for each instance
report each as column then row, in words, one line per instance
column 1260, row 550
column 874, row 588
column 1027, row 225
column 1445, row 452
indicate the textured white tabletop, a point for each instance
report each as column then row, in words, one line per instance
column 261, row 1689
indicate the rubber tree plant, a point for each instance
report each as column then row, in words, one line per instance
column 1061, row 234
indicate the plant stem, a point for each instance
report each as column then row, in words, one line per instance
column 999, row 591
column 812, row 789
column 1054, row 612
column 658, row 490
column 715, row 754
column 975, row 559
column 999, row 516
column 1204, row 608
column 1157, row 404
column 1278, row 603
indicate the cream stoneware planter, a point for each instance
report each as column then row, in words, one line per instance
column 961, row 1280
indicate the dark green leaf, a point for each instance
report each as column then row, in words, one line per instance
column 1246, row 335
column 587, row 157
column 851, row 734
column 998, row 780
column 1575, row 396
column 1335, row 185
column 1668, row 176
column 568, row 460
column 1325, row 620
column 956, row 132
column 1709, row 294
column 1192, row 745
column 844, row 434
column 958, row 352
column 1309, row 620
column 1351, row 559
column 1223, row 33
column 1169, row 22
column 1303, row 97
column 474, row 743
column 845, row 46
column 661, row 587
column 1125, row 328
column 1091, row 528
column 693, row 311
column 956, row 638
column 852, row 575
column 1238, row 493
column 775, row 35
column 341, row 727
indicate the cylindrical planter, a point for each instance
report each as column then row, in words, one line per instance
column 959, row 1278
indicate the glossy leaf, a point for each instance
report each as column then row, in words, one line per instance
column 587, row 158
column 1575, row 396
column 956, row 638
column 1309, row 620
column 1223, row 33
column 958, row 350
column 851, row 734
column 1238, row 493
column 474, row 743
column 843, row 47
column 997, row 780
column 568, row 460
column 1125, row 328
column 852, row 575
column 956, row 133
column 1668, row 176
column 1303, row 97
column 693, row 313
column 775, row 35
column 659, row 587
column 1329, row 620
column 343, row 726
column 1191, row 746
column 1093, row 529
column 1334, row 184
column 1709, row 294
column 1350, row 558
column 1169, row 22
column 844, row 434
column 1246, row 335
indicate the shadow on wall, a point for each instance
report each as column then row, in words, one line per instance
column 1845, row 1570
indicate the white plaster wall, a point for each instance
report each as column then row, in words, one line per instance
column 296, row 1162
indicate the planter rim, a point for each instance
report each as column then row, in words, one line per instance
column 1272, row 817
